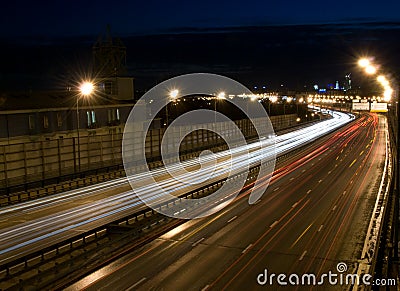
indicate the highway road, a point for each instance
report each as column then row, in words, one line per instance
column 313, row 216
column 33, row 225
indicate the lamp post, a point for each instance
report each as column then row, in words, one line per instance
column 173, row 94
column 220, row 96
column 85, row 89
column 393, row 118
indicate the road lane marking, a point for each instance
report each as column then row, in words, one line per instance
column 197, row 242
column 246, row 249
column 205, row 288
column 303, row 171
column 320, row 228
column 276, row 189
column 309, row 191
column 137, row 284
column 344, row 192
column 275, row 223
column 232, row 219
column 334, row 207
column 302, row 256
column 299, row 238
column 352, row 163
column 337, row 158
column 320, row 181
column 361, row 153
column 258, row 201
column 329, row 172
column 294, row 205
column 291, row 179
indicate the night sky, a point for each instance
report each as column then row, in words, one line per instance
column 69, row 18
column 295, row 43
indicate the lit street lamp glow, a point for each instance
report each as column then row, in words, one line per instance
column 370, row 70
column 86, row 88
column 363, row 63
column 174, row 93
column 221, row 95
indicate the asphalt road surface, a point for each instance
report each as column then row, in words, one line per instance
column 313, row 216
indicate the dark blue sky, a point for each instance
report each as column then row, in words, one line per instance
column 70, row 18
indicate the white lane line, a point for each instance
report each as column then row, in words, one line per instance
column 329, row 172
column 344, row 192
column 136, row 284
column 197, row 242
column 303, row 171
column 291, row 179
column 232, row 219
column 319, row 181
column 205, row 288
column 246, row 249
column 309, row 191
column 294, row 205
column 302, row 256
column 276, row 189
column 275, row 223
column 320, row 228
column 334, row 207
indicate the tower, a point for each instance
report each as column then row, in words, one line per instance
column 109, row 56
column 348, row 81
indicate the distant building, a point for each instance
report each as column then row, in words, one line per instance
column 347, row 85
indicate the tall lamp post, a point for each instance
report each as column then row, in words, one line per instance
column 173, row 94
column 220, row 96
column 388, row 93
column 85, row 90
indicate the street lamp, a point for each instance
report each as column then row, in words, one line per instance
column 85, row 90
column 220, row 96
column 173, row 94
column 272, row 99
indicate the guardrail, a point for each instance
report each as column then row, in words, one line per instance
column 369, row 253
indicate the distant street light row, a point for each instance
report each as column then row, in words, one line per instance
column 372, row 69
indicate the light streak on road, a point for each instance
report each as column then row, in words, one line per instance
column 38, row 233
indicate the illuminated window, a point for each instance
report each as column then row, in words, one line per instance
column 91, row 118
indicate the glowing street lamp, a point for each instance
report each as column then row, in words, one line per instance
column 86, row 89
column 370, row 70
column 363, row 63
column 220, row 96
column 173, row 94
